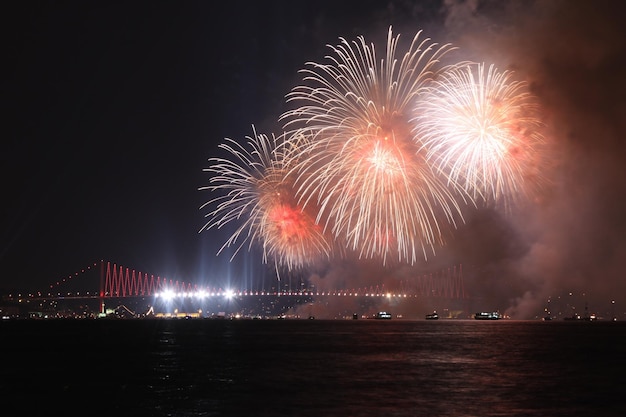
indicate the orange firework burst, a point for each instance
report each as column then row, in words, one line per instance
column 481, row 129
column 256, row 190
column 359, row 163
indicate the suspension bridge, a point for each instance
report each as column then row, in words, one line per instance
column 108, row 280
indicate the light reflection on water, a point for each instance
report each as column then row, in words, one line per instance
column 319, row 368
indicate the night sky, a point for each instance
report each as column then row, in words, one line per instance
column 112, row 109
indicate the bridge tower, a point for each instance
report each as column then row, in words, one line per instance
column 102, row 285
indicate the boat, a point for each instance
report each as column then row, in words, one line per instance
column 383, row 315
column 432, row 316
column 487, row 315
column 589, row 317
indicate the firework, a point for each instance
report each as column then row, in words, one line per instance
column 359, row 164
column 480, row 129
column 254, row 189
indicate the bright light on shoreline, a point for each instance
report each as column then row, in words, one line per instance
column 169, row 294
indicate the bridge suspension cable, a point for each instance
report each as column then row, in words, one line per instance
column 117, row 281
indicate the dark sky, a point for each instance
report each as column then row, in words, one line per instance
column 111, row 110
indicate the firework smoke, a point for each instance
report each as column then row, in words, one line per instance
column 571, row 236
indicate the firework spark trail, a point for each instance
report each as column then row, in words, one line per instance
column 255, row 190
column 360, row 165
column 480, row 128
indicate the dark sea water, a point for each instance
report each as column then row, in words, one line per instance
column 177, row 367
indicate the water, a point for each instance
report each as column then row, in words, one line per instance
column 313, row 368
